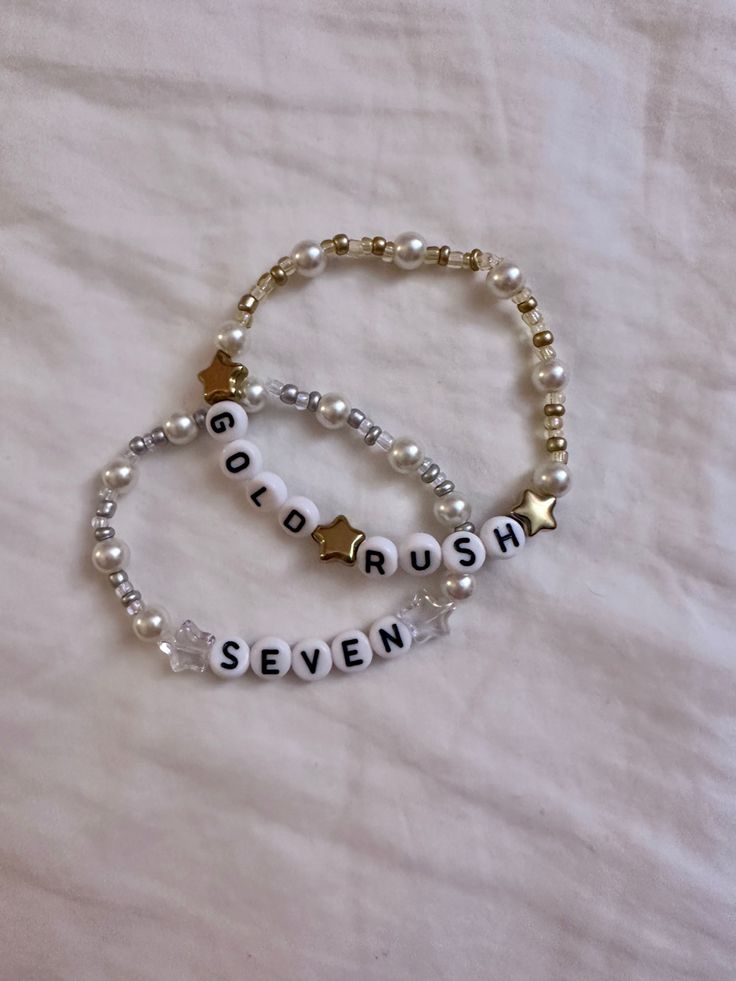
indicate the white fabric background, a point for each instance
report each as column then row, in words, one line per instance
column 549, row 792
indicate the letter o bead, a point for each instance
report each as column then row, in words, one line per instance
column 378, row 557
column 240, row 459
column 266, row 492
column 390, row 637
column 351, row 651
column 463, row 551
column 420, row 554
column 229, row 658
column 270, row 657
column 311, row 659
column 226, row 421
column 299, row 517
column 503, row 537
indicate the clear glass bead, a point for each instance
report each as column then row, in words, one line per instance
column 426, row 616
column 366, row 244
column 546, row 353
column 105, row 494
column 244, row 317
column 257, row 291
column 191, row 648
column 456, row 260
column 365, row 425
column 302, row 400
column 533, row 319
column 555, row 398
column 274, row 386
column 98, row 522
column 135, row 607
column 424, row 466
column 288, row 265
column 268, row 285
column 355, row 248
column 385, row 440
column 561, row 456
column 124, row 588
column 149, row 441
column 388, row 252
column 554, row 424
column 166, row 645
column 486, row 260
column 439, row 479
column 522, row 295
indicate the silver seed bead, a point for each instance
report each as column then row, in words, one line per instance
column 102, row 534
column 159, row 436
column 117, row 578
column 458, row 585
column 137, row 445
column 355, row 418
column 446, row 487
column 106, row 509
column 452, row 510
column 199, row 417
column 372, row 435
column 289, row 394
column 132, row 597
column 466, row 526
column 430, row 474
column 313, row 402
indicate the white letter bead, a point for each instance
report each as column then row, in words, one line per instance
column 378, row 557
column 270, row 657
column 420, row 554
column 463, row 551
column 266, row 491
column 503, row 537
column 299, row 517
column 229, row 658
column 240, row 459
column 351, row 651
column 226, row 421
column 390, row 637
column 311, row 659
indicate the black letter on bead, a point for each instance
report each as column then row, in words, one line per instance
column 427, row 560
column 256, row 494
column 237, row 462
column 351, row 656
column 221, row 422
column 461, row 546
column 267, row 661
column 374, row 560
column 510, row 537
column 389, row 637
column 294, row 516
column 227, row 648
column 312, row 665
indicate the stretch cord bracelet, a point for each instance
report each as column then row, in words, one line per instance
column 229, row 656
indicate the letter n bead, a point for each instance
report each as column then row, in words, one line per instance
column 229, row 658
column 390, row 637
column 463, row 551
column 226, row 421
column 503, row 537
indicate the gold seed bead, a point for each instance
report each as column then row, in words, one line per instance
column 342, row 244
column 526, row 306
column 432, row 254
column 474, row 258
column 556, row 444
column 328, row 246
column 248, row 303
column 379, row 245
column 278, row 275
column 554, row 409
column 444, row 256
column 543, row 338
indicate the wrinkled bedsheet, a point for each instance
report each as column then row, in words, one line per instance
column 547, row 793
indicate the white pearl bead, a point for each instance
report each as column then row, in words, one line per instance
column 458, row 585
column 120, row 475
column 226, row 421
column 549, row 376
column 151, row 624
column 377, row 557
column 229, row 658
column 266, row 491
column 311, row 659
column 405, row 455
column 420, row 554
column 255, row 395
column 351, row 651
column 240, row 459
column 505, row 279
column 299, row 516
column 462, row 551
column 270, row 657
column 503, row 536
column 409, row 250
column 180, row 428
column 552, row 479
column 452, row 510
column 112, row 555
column 390, row 637
column 333, row 411
column 233, row 338
column 309, row 258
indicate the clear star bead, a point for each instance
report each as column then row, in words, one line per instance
column 426, row 616
column 188, row 649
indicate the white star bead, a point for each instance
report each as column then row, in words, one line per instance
column 426, row 616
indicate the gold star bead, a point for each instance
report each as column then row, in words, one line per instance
column 338, row 540
column 535, row 512
column 222, row 378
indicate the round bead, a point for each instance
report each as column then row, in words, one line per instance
column 505, row 279
column 333, row 411
column 266, row 491
column 552, row 479
column 137, row 445
column 462, row 551
column 289, row 394
column 151, row 624
column 254, row 395
column 309, row 258
column 120, row 475
column 377, row 557
column 390, row 637
column 233, row 337
column 270, row 657
column 452, row 510
column 229, row 658
column 554, row 423
column 311, row 659
column 299, row 516
column 458, row 585
column 180, row 428
column 226, row 421
column 405, row 455
column 351, row 651
column 110, row 555
column 420, row 554
column 409, row 250
column 549, row 376
column 240, row 459
column 502, row 536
